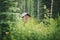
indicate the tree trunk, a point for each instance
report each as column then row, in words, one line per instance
column 51, row 8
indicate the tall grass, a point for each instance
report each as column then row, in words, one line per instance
column 33, row 31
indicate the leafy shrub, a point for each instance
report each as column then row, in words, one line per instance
column 33, row 32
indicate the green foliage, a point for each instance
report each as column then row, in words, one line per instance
column 48, row 29
column 6, row 18
column 34, row 32
column 58, row 28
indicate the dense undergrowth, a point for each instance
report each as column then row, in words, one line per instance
column 47, row 30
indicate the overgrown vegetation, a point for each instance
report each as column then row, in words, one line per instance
column 40, row 31
column 46, row 28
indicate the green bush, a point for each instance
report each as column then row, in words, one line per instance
column 57, row 34
column 33, row 32
column 48, row 29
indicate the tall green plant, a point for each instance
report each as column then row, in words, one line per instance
column 7, row 17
